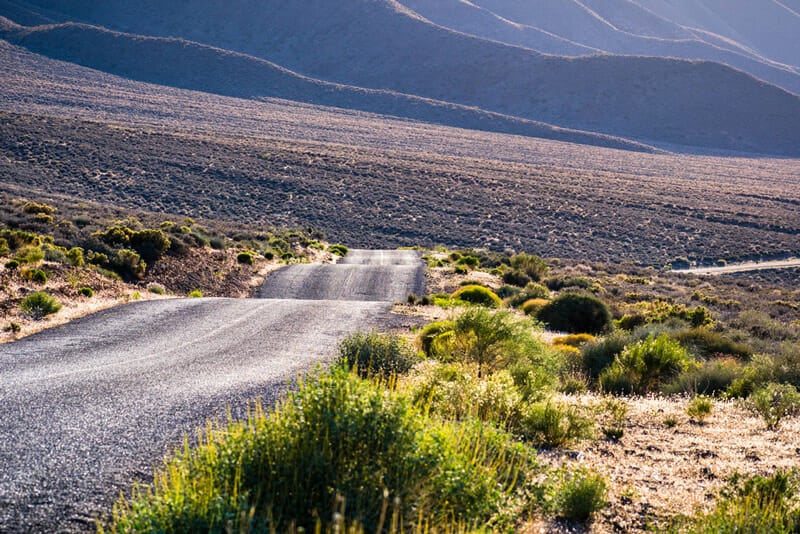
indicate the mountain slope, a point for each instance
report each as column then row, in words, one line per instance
column 183, row 64
column 614, row 27
column 380, row 44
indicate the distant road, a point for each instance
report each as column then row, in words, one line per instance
column 743, row 267
column 91, row 406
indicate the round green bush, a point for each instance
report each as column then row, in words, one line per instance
column 245, row 258
column 35, row 275
column 516, row 278
column 39, row 304
column 12, row 264
column 480, row 295
column 86, row 292
column 338, row 250
column 576, row 313
column 646, row 366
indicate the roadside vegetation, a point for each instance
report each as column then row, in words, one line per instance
column 484, row 420
column 62, row 259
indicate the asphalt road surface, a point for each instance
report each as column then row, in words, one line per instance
column 790, row 263
column 87, row 408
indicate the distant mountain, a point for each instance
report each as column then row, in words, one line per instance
column 571, row 28
column 384, row 45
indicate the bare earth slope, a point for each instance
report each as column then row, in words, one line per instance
column 94, row 404
column 382, row 45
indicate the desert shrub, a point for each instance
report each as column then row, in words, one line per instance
column 5, row 250
column 35, row 275
column 660, row 311
column 86, row 292
column 155, row 289
column 557, row 283
column 579, row 494
column 29, row 254
column 217, row 243
column 699, row 408
column 611, row 415
column 96, row 258
column 13, row 327
column 150, row 244
column 756, row 504
column 506, row 291
column 532, row 265
column 17, row 239
column 760, row 325
column 475, row 294
column 115, row 235
column 531, row 291
column 598, row 355
column 774, row 402
column 129, row 264
column 550, row 424
column 245, row 258
column 537, row 370
column 469, row 261
column 11, row 265
column 487, row 338
column 338, row 439
column 75, row 257
column 516, row 277
column 55, row 254
column 373, row 354
column 337, row 250
column 39, row 304
column 460, row 269
column 645, row 366
column 705, row 343
column 195, row 294
column 574, row 340
column 452, row 391
column 531, row 307
column 35, row 207
column 576, row 313
column 430, row 333
column 711, row 378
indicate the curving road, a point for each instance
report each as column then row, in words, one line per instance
column 91, row 406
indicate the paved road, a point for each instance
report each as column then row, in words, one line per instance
column 388, row 275
column 91, row 406
column 744, row 267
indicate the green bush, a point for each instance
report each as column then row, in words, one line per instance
column 86, row 292
column 706, row 343
column 699, row 408
column 39, row 304
column 11, row 265
column 531, row 307
column 35, row 275
column 469, row 261
column 150, row 244
column 600, row 354
column 37, row 208
column 75, row 257
column 96, row 258
column 338, row 445
column 245, row 258
column 478, row 295
column 753, row 505
column 487, row 338
column 195, row 294
column 711, row 378
column 531, row 291
column 376, row 355
column 576, row 313
column 5, row 250
column 155, row 289
column 430, row 333
column 338, row 250
column 532, row 265
column 129, row 264
column 550, row 424
column 55, row 254
column 557, row 283
column 774, row 402
column 645, row 366
column 16, row 239
column 580, row 494
column 517, row 278
column 29, row 254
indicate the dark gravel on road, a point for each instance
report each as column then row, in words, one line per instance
column 91, row 407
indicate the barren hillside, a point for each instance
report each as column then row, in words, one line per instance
column 384, row 45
